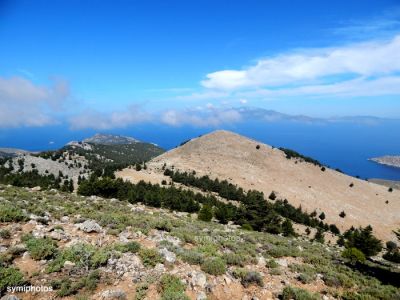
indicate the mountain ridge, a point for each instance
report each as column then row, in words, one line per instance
column 253, row 165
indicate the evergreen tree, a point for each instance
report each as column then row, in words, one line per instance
column 287, row 228
column 319, row 236
column 205, row 213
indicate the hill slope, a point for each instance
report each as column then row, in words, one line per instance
column 226, row 155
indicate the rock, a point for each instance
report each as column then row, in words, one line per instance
column 261, row 261
column 168, row 255
column 113, row 294
column 64, row 219
column 36, row 189
column 58, row 235
column 125, row 236
column 201, row 296
column 198, row 279
column 9, row 297
column 90, row 226
column 3, row 249
column 282, row 262
column 69, row 265
column 158, row 270
column 128, row 262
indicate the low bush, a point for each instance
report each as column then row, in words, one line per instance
column 150, row 257
column 292, row 293
column 192, row 257
column 171, row 288
column 10, row 277
column 214, row 266
column 353, row 255
column 252, row 277
column 41, row 248
column 5, row 234
column 10, row 213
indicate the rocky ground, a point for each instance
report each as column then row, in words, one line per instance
column 94, row 248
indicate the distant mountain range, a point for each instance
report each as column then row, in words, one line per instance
column 110, row 139
column 11, row 152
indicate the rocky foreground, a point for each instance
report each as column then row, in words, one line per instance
column 94, row 248
column 388, row 160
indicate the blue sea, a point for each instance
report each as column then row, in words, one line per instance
column 343, row 145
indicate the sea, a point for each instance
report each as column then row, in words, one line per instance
column 343, row 145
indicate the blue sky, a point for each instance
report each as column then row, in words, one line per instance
column 112, row 64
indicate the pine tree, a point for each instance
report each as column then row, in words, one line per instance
column 319, row 236
column 205, row 213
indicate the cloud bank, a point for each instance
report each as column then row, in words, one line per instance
column 355, row 69
column 23, row 103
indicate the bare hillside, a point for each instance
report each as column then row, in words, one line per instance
column 227, row 155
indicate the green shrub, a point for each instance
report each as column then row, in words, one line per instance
column 247, row 226
column 150, row 257
column 41, row 248
column 171, row 288
column 5, row 234
column 272, row 264
column 305, row 278
column 10, row 277
column 83, row 255
column 290, row 293
column 214, row 266
column 363, row 240
column 235, row 259
column 252, row 277
column 205, row 213
column 192, row 257
column 67, row 287
column 353, row 255
column 10, row 213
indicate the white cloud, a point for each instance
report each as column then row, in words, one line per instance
column 117, row 119
column 370, row 59
column 359, row 87
column 213, row 117
column 23, row 103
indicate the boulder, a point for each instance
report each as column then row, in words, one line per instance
column 198, row 279
column 90, row 226
column 113, row 295
column 168, row 255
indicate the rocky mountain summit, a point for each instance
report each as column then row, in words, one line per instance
column 11, row 152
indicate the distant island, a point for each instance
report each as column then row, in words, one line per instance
column 388, row 160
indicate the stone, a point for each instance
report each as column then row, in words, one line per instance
column 90, row 226
column 58, row 235
column 64, row 219
column 69, row 265
column 201, row 296
column 113, row 294
column 282, row 262
column 198, row 279
column 9, row 297
column 36, row 189
column 168, row 255
column 261, row 261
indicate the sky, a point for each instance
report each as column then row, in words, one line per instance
column 113, row 64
